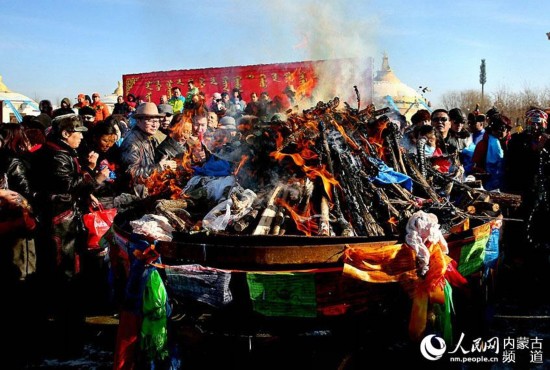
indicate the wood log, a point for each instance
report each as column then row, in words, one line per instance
column 324, row 223
column 245, row 221
column 417, row 175
column 279, row 220
column 279, row 215
column 506, row 200
column 467, row 199
column 268, row 214
column 486, row 206
column 470, row 210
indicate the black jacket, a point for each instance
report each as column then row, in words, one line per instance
column 59, row 179
column 17, row 170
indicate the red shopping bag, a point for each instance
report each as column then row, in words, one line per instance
column 97, row 222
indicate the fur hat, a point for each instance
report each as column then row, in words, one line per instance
column 148, row 110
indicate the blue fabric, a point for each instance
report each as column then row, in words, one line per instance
column 387, row 175
column 491, row 252
column 213, row 167
column 467, row 155
column 494, row 164
column 477, row 136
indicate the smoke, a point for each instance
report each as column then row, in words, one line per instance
column 330, row 31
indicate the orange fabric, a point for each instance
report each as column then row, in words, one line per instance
column 396, row 263
column 384, row 264
column 101, row 111
column 428, row 290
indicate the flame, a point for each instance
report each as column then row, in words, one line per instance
column 163, row 182
column 243, row 160
column 342, row 132
column 326, row 177
column 393, row 220
column 302, row 84
column 304, row 222
column 375, row 135
column 186, row 161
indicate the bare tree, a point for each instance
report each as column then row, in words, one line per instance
column 466, row 100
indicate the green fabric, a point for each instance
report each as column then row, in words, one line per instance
column 472, row 256
column 283, row 294
column 154, row 333
column 443, row 314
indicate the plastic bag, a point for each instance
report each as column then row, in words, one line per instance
column 97, row 223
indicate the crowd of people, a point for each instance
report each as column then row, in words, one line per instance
column 56, row 166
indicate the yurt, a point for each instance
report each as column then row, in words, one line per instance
column 15, row 106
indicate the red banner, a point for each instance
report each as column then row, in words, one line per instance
column 305, row 78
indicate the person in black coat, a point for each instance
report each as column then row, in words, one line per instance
column 64, row 190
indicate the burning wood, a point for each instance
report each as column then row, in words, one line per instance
column 268, row 214
column 323, row 163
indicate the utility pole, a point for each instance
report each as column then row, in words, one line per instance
column 482, row 80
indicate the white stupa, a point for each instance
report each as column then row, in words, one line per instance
column 15, row 106
column 389, row 91
column 111, row 99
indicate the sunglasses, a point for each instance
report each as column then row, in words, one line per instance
column 440, row 119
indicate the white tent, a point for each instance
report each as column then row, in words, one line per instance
column 15, row 106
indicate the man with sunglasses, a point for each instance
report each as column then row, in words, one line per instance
column 442, row 123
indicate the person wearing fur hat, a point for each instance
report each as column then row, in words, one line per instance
column 138, row 149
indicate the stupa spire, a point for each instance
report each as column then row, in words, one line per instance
column 3, row 87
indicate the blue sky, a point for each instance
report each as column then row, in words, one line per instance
column 55, row 49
